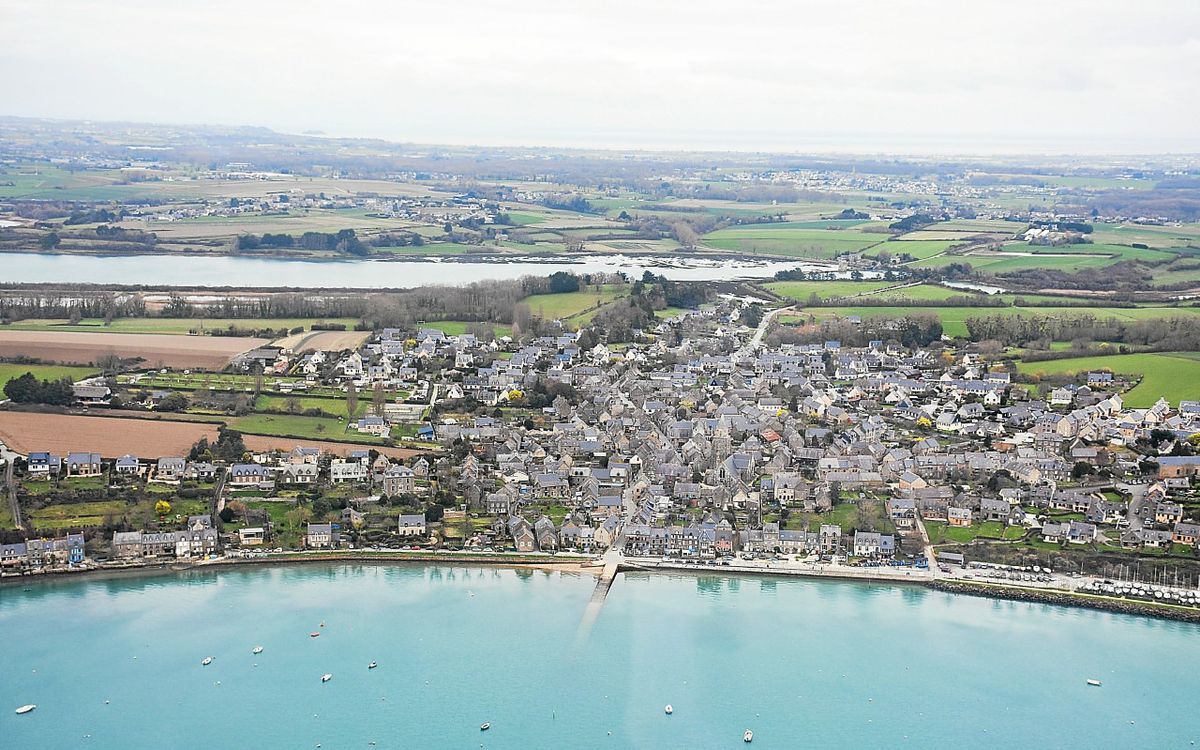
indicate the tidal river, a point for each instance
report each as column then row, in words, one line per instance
column 117, row 664
column 244, row 272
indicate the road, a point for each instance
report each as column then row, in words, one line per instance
column 761, row 332
column 14, row 505
column 1137, row 498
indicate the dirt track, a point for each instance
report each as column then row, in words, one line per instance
column 207, row 352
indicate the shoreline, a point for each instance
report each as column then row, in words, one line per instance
column 589, row 565
column 566, row 565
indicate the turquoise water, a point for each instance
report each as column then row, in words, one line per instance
column 803, row 663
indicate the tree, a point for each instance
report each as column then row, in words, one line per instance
column 109, row 364
column 562, row 282
column 162, row 507
column 174, row 402
column 351, row 400
column 924, row 423
column 378, row 399
column 297, row 516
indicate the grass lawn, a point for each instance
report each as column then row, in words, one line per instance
column 333, row 406
column 1174, row 376
column 67, row 515
column 843, row 514
column 83, row 483
column 571, row 304
column 43, row 372
column 316, row 428
column 36, row 487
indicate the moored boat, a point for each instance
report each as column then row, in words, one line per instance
column 26, row 708
column 207, row 661
column 1094, row 683
column 372, row 665
column 668, row 710
column 747, row 736
column 258, row 649
column 485, row 726
column 326, row 677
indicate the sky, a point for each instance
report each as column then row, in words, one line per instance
column 906, row 76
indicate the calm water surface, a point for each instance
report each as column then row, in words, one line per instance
column 241, row 271
column 802, row 663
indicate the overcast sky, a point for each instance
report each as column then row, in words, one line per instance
column 802, row 75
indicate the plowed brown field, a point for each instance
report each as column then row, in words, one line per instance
column 199, row 352
column 112, row 437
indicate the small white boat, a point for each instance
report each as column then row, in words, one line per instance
column 257, row 650
column 668, row 710
column 1094, row 683
column 207, row 661
column 372, row 665
column 314, row 634
column 326, row 677
column 26, row 708
column 485, row 726
column 748, row 736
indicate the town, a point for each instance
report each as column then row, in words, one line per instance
column 701, row 441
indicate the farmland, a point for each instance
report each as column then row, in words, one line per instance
column 795, row 242
column 459, row 327
column 572, row 304
column 918, row 249
column 112, row 436
column 803, row 290
column 211, row 352
column 173, row 326
column 954, row 318
column 43, row 372
column 1174, row 376
column 323, row 340
column 116, row 436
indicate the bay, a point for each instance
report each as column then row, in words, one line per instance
column 117, row 663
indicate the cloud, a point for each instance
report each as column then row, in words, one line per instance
column 751, row 74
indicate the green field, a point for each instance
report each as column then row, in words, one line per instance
column 178, row 326
column 42, row 372
column 954, row 318
column 1120, row 252
column 998, row 263
column 1153, row 236
column 67, row 515
column 569, row 305
column 941, row 533
column 334, row 406
column 1174, row 376
column 316, row 428
column 459, row 327
column 782, row 239
column 802, row 290
column 918, row 249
